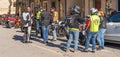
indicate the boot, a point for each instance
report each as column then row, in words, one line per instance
column 102, row 47
column 36, row 33
column 99, row 48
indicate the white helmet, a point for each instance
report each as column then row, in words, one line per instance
column 93, row 11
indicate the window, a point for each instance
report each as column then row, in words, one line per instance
column 118, row 5
column 115, row 17
column 53, row 5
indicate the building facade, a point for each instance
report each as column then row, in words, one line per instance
column 64, row 6
column 6, row 8
column 105, row 5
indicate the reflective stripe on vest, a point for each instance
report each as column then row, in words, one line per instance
column 94, row 23
column 38, row 15
column 74, row 29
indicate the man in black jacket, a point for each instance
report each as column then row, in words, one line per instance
column 45, row 20
column 74, row 24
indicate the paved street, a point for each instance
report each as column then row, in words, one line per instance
column 11, row 46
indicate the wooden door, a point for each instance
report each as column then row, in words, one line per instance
column 98, row 4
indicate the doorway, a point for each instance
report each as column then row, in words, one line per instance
column 97, row 4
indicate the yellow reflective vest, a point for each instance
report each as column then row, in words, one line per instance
column 94, row 23
column 38, row 15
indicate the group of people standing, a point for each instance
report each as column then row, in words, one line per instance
column 95, row 26
column 43, row 19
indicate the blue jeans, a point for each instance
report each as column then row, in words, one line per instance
column 27, row 33
column 45, row 32
column 54, row 33
column 73, row 34
column 89, row 36
column 37, row 25
column 101, row 36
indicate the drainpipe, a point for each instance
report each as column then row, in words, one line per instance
column 88, row 6
column 65, row 7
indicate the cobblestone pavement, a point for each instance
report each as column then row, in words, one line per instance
column 11, row 46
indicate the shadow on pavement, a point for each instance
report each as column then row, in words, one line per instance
column 18, row 38
column 36, row 38
column 112, row 45
column 61, row 46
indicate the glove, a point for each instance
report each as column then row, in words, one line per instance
column 84, row 32
column 26, row 25
column 53, row 23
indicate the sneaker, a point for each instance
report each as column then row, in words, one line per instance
column 93, row 51
column 85, row 51
column 100, row 48
column 45, row 42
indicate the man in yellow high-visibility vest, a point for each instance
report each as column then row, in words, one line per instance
column 38, row 17
column 93, row 30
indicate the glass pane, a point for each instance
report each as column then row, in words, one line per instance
column 118, row 5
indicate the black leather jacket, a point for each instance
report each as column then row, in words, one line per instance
column 75, row 21
column 45, row 18
column 103, row 22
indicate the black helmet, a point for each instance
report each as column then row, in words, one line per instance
column 76, row 9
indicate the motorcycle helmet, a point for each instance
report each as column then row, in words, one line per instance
column 76, row 9
column 93, row 11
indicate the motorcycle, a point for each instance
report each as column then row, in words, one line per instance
column 17, row 22
column 10, row 22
